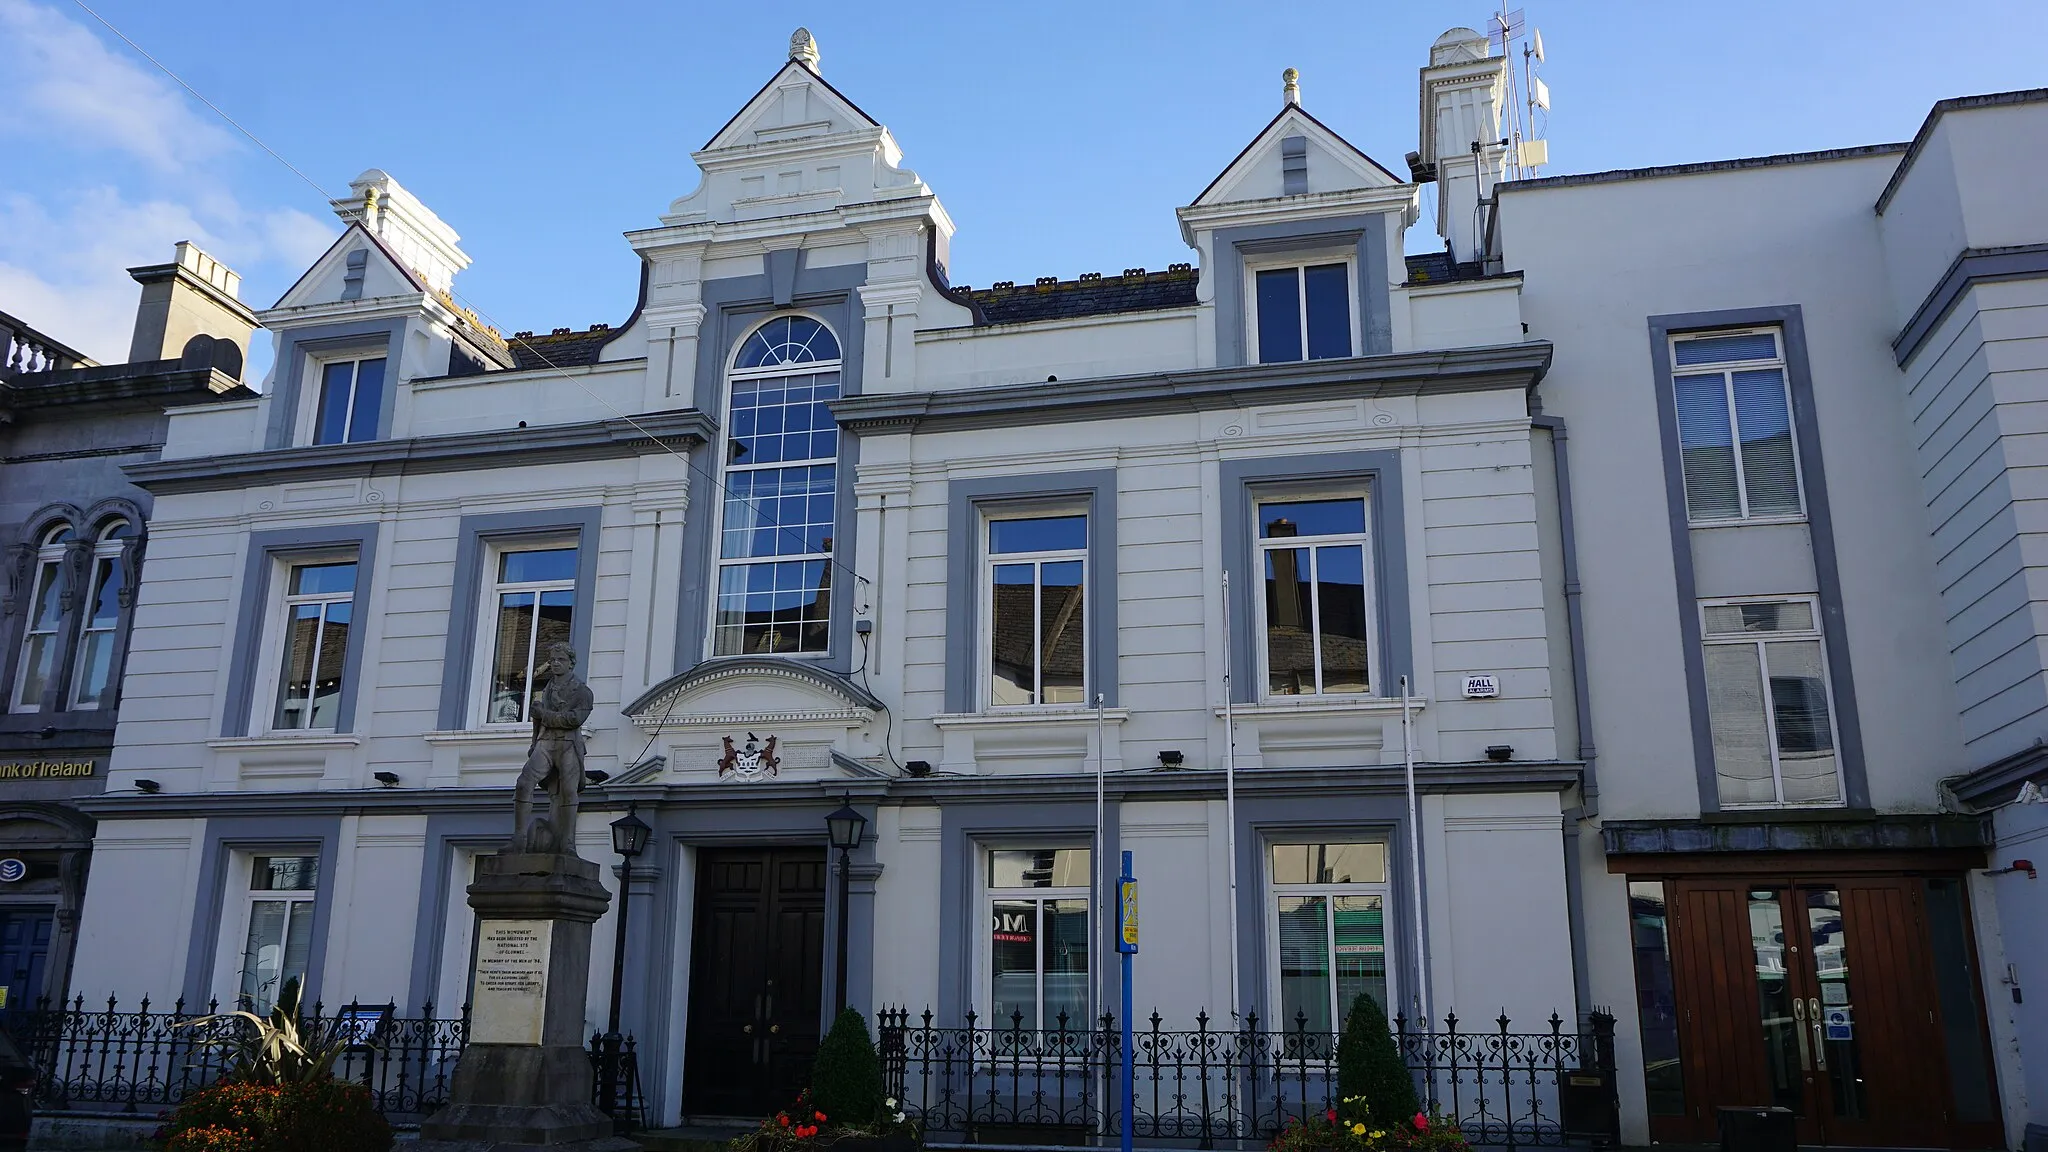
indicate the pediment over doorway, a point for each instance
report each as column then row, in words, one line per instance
column 754, row 721
column 732, row 691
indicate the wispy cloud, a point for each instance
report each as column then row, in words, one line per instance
column 66, row 84
column 65, row 244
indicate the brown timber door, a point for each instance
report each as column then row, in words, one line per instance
column 757, row 962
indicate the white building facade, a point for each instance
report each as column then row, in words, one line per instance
column 1008, row 568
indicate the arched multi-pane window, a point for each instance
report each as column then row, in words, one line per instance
column 43, row 631
column 780, row 478
column 99, row 618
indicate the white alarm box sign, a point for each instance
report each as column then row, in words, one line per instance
column 1482, row 687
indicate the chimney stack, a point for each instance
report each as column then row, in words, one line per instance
column 191, row 311
column 1464, row 91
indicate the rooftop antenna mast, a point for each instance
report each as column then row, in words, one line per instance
column 1527, row 150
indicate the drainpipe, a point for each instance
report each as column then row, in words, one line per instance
column 1575, row 625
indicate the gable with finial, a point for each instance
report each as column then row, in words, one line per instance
column 796, row 103
column 1295, row 154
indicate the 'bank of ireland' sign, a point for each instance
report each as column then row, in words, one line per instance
column 47, row 769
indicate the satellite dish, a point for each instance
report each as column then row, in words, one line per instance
column 1536, row 38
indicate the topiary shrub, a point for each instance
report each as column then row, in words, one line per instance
column 299, row 1116
column 846, row 1080
column 1372, row 1079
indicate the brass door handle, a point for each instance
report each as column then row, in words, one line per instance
column 749, row 1029
column 1820, row 1051
column 775, row 1029
column 1799, row 1030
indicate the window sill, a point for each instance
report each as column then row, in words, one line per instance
column 271, row 740
column 1752, row 522
column 461, row 736
column 1319, row 706
column 1022, row 717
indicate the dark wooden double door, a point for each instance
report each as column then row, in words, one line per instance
column 757, row 967
column 1852, row 1001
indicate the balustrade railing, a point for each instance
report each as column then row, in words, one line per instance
column 1005, row 1083
column 23, row 349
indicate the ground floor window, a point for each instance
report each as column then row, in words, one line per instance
column 1656, row 1000
column 1328, row 931
column 1037, row 958
column 279, row 940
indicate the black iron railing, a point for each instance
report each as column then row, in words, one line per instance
column 116, row 1059
column 1217, row 1085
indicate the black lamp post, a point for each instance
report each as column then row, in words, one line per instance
column 629, row 839
column 844, row 828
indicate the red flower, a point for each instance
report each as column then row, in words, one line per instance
column 784, row 1117
column 1331, row 1115
column 820, row 1116
column 1421, row 1122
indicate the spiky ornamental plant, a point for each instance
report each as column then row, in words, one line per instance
column 1372, row 1079
column 846, row 1080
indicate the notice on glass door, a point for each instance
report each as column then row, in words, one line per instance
column 511, row 996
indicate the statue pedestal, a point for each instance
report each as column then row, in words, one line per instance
column 524, row 1080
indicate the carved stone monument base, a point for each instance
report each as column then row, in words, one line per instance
column 524, row 1081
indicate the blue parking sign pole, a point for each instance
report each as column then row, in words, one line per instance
column 1127, row 947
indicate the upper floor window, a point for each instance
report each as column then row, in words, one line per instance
column 318, row 614
column 1303, row 311
column 1316, row 616
column 530, row 605
column 1768, row 703
column 781, row 484
column 99, row 620
column 1735, row 426
column 1036, row 623
column 351, row 401
column 43, row 631
column 1328, row 930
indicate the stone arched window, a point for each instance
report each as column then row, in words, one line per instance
column 780, row 477
column 71, row 589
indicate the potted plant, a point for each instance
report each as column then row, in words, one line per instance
column 280, row 1093
column 844, row 1109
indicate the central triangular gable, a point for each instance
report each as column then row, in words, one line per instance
column 795, row 103
column 329, row 278
column 1333, row 164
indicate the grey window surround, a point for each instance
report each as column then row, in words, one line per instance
column 1241, row 481
column 734, row 307
column 447, row 835
column 1820, row 519
column 966, row 827
column 1365, row 233
column 966, row 502
column 77, row 567
column 266, row 551
column 363, row 336
column 224, row 837
column 1263, row 820
column 499, row 528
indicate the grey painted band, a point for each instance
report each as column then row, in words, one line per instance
column 1827, row 570
column 296, row 345
column 466, row 591
column 265, row 550
column 223, row 836
column 733, row 308
column 1500, row 366
column 1271, row 819
column 968, row 826
column 1238, row 484
column 1972, row 266
column 1366, row 232
column 447, row 835
column 499, row 448
column 964, row 501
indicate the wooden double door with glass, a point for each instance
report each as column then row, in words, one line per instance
column 1854, row 1002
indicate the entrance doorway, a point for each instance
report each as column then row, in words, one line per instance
column 25, row 954
column 1853, row 1001
column 757, row 979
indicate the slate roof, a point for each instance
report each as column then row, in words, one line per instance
column 1092, row 294
column 1437, row 268
column 562, row 348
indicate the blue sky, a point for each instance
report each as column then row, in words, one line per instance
column 1059, row 136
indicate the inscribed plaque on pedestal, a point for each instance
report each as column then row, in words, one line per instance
column 510, row 1001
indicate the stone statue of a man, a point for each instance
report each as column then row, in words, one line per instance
column 554, row 761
